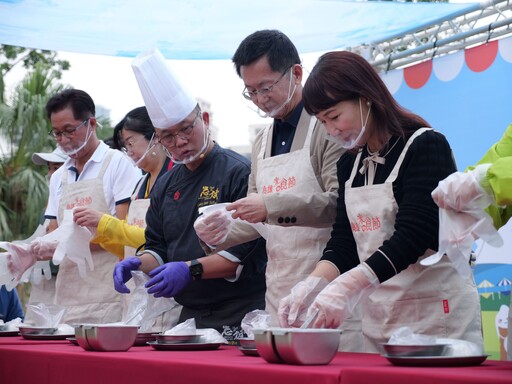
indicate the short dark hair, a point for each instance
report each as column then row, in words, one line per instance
column 278, row 48
column 137, row 120
column 80, row 102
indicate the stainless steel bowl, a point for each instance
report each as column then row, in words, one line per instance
column 143, row 338
column 264, row 341
column 307, row 346
column 81, row 337
column 297, row 346
column 414, row 350
column 176, row 339
column 106, row 338
column 247, row 342
column 37, row 330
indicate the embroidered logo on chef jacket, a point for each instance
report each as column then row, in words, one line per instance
column 79, row 202
column 232, row 333
column 280, row 184
column 209, row 195
column 365, row 223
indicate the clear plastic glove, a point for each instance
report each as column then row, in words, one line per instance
column 43, row 249
column 169, row 279
column 293, row 308
column 213, row 225
column 73, row 243
column 462, row 191
column 39, row 270
column 19, row 258
column 122, row 273
column 457, row 233
column 337, row 301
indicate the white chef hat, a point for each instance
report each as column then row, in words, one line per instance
column 168, row 102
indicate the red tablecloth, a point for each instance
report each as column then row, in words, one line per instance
column 28, row 361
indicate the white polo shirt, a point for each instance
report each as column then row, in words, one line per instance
column 119, row 179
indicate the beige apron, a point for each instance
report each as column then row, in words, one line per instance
column 292, row 251
column 431, row 300
column 137, row 216
column 91, row 299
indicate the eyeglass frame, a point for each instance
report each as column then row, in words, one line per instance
column 67, row 133
column 181, row 133
column 251, row 95
column 128, row 145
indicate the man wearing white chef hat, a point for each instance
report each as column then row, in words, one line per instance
column 219, row 289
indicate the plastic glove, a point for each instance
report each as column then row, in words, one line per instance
column 337, row 301
column 40, row 269
column 213, row 227
column 73, row 243
column 43, row 249
column 19, row 258
column 293, row 308
column 169, row 279
column 123, row 273
column 457, row 233
column 462, row 191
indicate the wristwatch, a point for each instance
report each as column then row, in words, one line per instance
column 196, row 269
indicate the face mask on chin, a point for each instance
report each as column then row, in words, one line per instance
column 74, row 151
column 152, row 143
column 190, row 159
column 273, row 113
column 351, row 141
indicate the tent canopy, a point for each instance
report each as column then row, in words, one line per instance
column 207, row 29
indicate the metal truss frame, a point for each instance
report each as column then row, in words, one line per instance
column 488, row 20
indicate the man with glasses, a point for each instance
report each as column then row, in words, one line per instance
column 293, row 183
column 94, row 176
column 219, row 289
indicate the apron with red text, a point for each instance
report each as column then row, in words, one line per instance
column 431, row 300
column 91, row 299
column 292, row 251
column 137, row 216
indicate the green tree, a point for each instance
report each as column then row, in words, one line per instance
column 11, row 57
column 24, row 130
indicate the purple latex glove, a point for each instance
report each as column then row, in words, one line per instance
column 169, row 279
column 122, row 273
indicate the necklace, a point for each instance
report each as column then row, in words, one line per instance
column 371, row 161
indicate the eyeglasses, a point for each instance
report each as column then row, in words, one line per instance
column 67, row 133
column 250, row 95
column 169, row 140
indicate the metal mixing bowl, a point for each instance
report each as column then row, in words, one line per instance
column 247, row 343
column 30, row 330
column 106, row 338
column 297, row 346
column 176, row 339
column 414, row 350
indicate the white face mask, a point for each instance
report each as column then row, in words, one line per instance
column 74, row 151
column 276, row 110
column 350, row 141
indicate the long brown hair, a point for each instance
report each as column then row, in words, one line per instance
column 342, row 76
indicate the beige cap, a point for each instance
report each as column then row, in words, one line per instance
column 42, row 158
column 168, row 102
